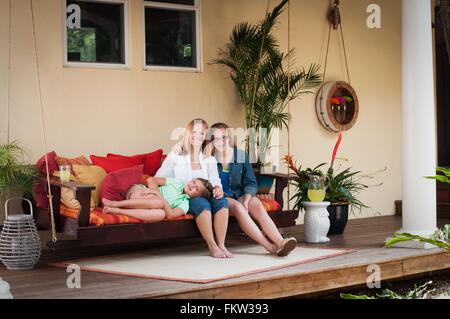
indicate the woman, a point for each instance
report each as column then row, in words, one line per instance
column 240, row 187
column 191, row 163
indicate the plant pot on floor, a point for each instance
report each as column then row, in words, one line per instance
column 338, row 218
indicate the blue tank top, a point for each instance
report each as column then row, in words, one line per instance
column 225, row 180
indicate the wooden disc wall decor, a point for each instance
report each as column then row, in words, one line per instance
column 337, row 106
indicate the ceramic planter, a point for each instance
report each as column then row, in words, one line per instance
column 338, row 218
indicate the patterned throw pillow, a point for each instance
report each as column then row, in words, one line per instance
column 81, row 160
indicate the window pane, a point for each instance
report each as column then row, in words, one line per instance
column 170, row 37
column 95, row 32
column 185, row 2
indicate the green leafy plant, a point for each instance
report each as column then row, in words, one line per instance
column 262, row 75
column 342, row 187
column 419, row 292
column 444, row 177
column 15, row 175
column 441, row 238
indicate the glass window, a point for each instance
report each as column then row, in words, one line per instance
column 95, row 32
column 171, row 36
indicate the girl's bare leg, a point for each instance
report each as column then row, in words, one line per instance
column 220, row 229
column 204, row 224
column 248, row 225
column 257, row 211
column 144, row 203
column 147, row 215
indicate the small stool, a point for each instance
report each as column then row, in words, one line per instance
column 5, row 293
column 317, row 223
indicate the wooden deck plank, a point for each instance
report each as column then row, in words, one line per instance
column 365, row 235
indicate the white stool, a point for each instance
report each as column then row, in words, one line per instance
column 317, row 223
column 4, row 290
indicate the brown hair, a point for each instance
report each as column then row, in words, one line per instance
column 186, row 141
column 210, row 149
column 208, row 189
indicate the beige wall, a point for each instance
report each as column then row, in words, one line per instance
column 94, row 111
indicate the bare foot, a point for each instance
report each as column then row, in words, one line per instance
column 226, row 252
column 108, row 203
column 216, row 252
column 111, row 210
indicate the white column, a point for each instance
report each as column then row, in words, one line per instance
column 419, row 124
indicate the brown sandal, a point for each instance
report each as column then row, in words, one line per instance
column 287, row 246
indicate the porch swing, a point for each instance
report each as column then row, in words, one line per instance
column 85, row 234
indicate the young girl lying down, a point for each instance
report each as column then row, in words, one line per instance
column 161, row 198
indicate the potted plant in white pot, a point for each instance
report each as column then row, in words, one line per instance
column 16, row 177
column 264, row 80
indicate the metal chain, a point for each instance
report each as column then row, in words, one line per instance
column 50, row 196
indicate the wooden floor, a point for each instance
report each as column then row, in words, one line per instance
column 366, row 236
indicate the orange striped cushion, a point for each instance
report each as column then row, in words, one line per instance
column 99, row 218
column 269, row 202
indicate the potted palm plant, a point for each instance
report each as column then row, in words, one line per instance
column 264, row 79
column 342, row 189
column 16, row 177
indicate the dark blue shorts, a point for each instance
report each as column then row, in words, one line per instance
column 199, row 204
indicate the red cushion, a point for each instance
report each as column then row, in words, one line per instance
column 52, row 165
column 40, row 188
column 151, row 161
column 112, row 164
column 116, row 184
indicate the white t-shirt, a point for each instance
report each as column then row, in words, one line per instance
column 179, row 166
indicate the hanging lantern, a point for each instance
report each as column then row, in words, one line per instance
column 20, row 245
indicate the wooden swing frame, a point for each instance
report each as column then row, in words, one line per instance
column 86, row 235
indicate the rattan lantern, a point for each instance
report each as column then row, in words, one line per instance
column 20, row 245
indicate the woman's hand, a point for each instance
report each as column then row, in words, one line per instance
column 245, row 200
column 177, row 149
column 217, row 192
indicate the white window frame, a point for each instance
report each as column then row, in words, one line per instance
column 100, row 65
column 198, row 36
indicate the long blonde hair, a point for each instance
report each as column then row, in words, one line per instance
column 186, row 140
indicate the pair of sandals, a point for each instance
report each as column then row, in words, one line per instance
column 287, row 246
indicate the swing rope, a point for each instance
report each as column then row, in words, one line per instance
column 336, row 15
column 8, row 107
column 41, row 109
column 289, row 103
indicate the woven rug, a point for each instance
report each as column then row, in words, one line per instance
column 193, row 264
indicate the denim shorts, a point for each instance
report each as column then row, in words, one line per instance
column 198, row 205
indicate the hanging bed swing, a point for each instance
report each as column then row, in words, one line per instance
column 81, row 231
